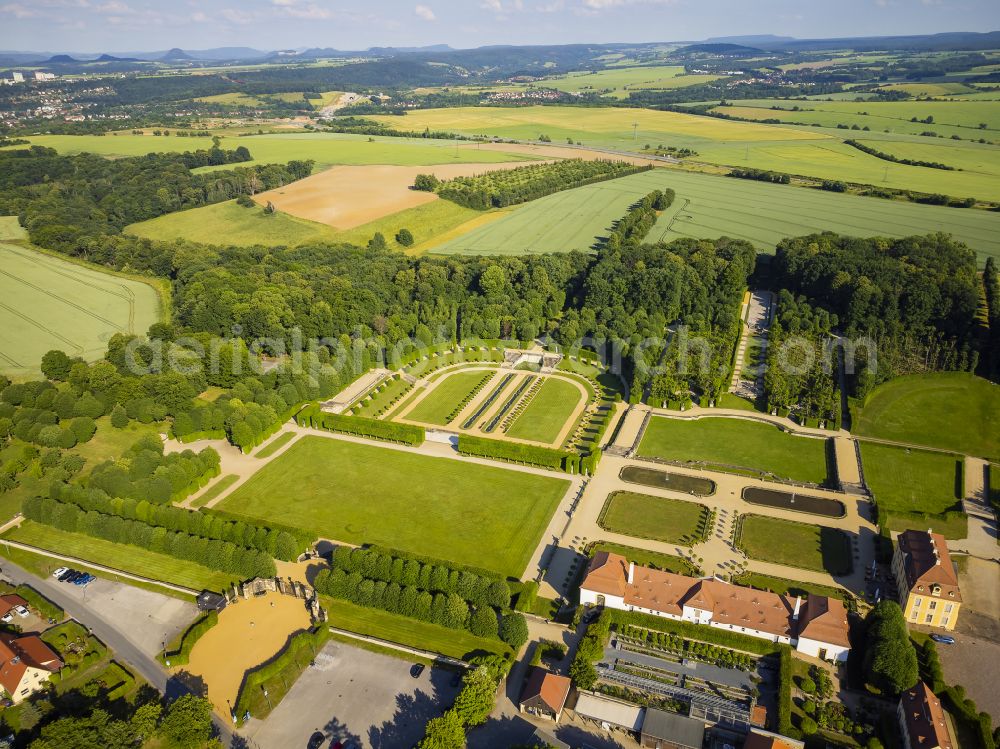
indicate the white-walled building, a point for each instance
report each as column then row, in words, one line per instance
column 816, row 627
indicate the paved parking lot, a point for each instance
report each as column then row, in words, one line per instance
column 146, row 618
column 355, row 695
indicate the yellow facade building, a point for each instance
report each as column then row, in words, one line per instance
column 926, row 580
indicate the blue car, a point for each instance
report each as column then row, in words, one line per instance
column 943, row 639
column 85, row 578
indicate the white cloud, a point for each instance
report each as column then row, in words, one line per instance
column 115, row 7
column 308, row 12
column 500, row 7
column 17, row 10
column 424, row 12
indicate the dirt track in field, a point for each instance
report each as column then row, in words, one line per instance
column 348, row 196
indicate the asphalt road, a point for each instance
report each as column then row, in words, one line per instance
column 106, row 631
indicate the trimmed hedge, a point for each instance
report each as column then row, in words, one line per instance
column 514, row 452
column 224, row 556
column 360, row 426
column 282, row 543
column 40, row 603
column 181, row 653
column 693, row 631
column 312, row 639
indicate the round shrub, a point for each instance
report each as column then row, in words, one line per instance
column 807, row 685
column 808, row 726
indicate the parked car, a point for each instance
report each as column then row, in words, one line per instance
column 8, row 617
column 943, row 639
column 316, row 740
column 67, row 575
column 21, row 611
column 416, row 670
column 60, row 572
column 84, row 579
column 72, row 577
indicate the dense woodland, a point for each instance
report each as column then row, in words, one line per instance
column 915, row 298
column 69, row 202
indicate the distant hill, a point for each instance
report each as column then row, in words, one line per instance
column 724, row 50
column 751, row 40
column 62, row 60
column 176, row 54
column 951, row 40
column 112, row 58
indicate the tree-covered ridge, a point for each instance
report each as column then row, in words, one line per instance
column 68, row 202
column 505, row 187
column 915, row 297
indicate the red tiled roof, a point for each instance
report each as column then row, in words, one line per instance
column 550, row 688
column 924, row 717
column 607, row 573
column 17, row 654
column 927, row 564
column 824, row 619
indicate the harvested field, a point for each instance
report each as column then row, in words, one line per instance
column 565, row 152
column 349, row 196
column 261, row 626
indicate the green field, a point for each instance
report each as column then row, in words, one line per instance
column 404, row 630
column 736, row 444
column 217, row 488
column 904, row 480
column 231, row 224
column 132, row 559
column 948, row 410
column 11, row 229
column 465, row 512
column 438, row 405
column 619, row 80
column 49, row 303
column 326, row 149
column 547, row 413
column 810, row 547
column 673, row 521
column 817, row 152
column 709, row 207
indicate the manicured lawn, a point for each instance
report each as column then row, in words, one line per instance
column 132, row 559
column 644, row 558
column 548, row 411
column 795, row 544
column 673, row 521
column 216, row 489
column 274, row 445
column 787, row 587
column 454, row 643
column 389, row 392
column 440, row 507
column 737, row 443
column 912, row 480
column 949, row 410
column 439, row 404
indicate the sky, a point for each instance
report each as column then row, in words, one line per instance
column 148, row 25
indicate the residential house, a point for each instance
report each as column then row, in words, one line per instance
column 544, row 694
column 758, row 739
column 926, row 579
column 25, row 664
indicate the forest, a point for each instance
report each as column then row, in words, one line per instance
column 68, row 201
column 915, row 298
column 502, row 188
